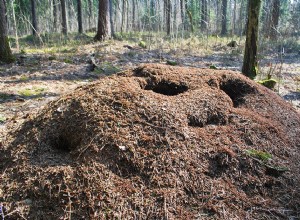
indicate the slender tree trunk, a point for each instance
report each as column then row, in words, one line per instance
column 133, row 15
column 124, row 7
column 275, row 19
column 5, row 52
column 168, row 16
column 224, row 17
column 64, row 17
column 104, row 29
column 55, row 23
column 34, row 18
column 219, row 15
column 182, row 13
column 6, row 16
column 90, row 13
column 233, row 18
column 204, row 16
column 15, row 24
column 246, row 17
column 79, row 16
column 111, row 19
column 250, row 56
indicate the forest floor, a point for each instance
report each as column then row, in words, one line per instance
column 44, row 72
column 226, row 149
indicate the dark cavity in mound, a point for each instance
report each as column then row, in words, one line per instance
column 216, row 118
column 237, row 89
column 166, row 88
column 65, row 142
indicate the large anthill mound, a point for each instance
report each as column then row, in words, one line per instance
column 157, row 142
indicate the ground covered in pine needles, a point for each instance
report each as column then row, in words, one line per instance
column 156, row 142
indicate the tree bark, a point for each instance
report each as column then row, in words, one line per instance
column 250, row 56
column 168, row 16
column 104, row 29
column 204, row 16
column 233, row 18
column 90, row 13
column 34, row 18
column 111, row 19
column 55, row 15
column 275, row 19
column 6, row 16
column 79, row 16
column 224, row 17
column 64, row 17
column 133, row 15
column 5, row 51
column 124, row 8
column 182, row 12
column 15, row 25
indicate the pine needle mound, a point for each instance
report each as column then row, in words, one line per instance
column 157, row 142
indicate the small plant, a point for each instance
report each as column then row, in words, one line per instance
column 22, row 51
column 52, row 58
column 269, row 83
column 213, row 67
column 172, row 62
column 5, row 96
column 68, row 61
column 143, row 44
column 2, row 119
column 24, row 78
column 261, row 155
column 31, row 92
column 107, row 68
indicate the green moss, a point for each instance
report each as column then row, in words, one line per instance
column 107, row 68
column 261, row 155
column 31, row 92
column 142, row 44
column 269, row 83
column 68, row 61
column 2, row 119
column 24, row 78
column 213, row 67
column 52, row 58
column 172, row 62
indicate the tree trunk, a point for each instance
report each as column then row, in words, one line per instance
column 233, row 18
column 246, row 17
column 90, row 13
column 79, row 16
column 204, row 16
column 34, row 18
column 55, row 23
column 133, row 15
column 168, row 16
column 15, row 25
column 64, row 17
column 219, row 15
column 5, row 52
column 104, row 29
column 6, row 14
column 224, row 17
column 111, row 19
column 275, row 19
column 182, row 12
column 124, row 7
column 250, row 56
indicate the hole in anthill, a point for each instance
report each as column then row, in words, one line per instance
column 167, row 88
column 195, row 121
column 237, row 89
column 62, row 143
column 216, row 118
